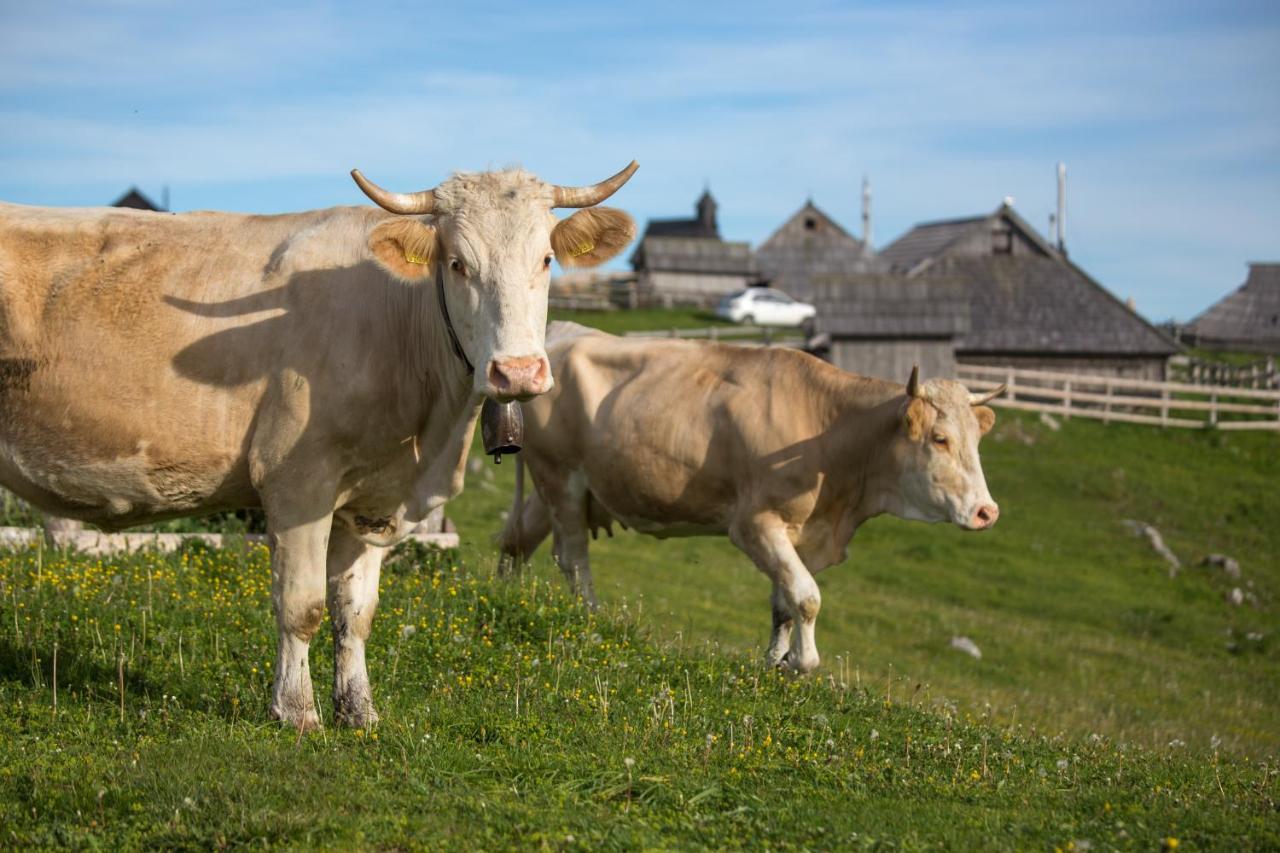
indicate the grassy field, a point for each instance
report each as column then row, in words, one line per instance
column 643, row 319
column 132, row 713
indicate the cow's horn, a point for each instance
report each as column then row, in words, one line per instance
column 596, row 193
column 980, row 397
column 422, row 202
column 913, row 384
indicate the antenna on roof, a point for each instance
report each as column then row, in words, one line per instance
column 1061, row 230
column 164, row 198
column 866, row 211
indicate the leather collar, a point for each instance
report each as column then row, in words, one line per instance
column 448, row 324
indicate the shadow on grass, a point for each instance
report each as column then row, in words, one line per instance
column 84, row 677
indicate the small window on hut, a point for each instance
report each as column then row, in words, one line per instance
column 1001, row 241
column 810, row 223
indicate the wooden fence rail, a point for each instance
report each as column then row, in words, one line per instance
column 746, row 335
column 1200, row 371
column 1140, row 401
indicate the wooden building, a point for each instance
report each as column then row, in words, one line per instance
column 1247, row 319
column 687, row 262
column 1028, row 305
column 810, row 247
column 880, row 324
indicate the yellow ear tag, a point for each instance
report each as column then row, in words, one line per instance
column 582, row 249
column 410, row 257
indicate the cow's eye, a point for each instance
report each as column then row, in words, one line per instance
column 546, row 262
column 456, row 266
column 940, row 440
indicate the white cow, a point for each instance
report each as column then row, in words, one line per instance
column 783, row 453
column 318, row 365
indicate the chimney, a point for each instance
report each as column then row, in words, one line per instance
column 866, row 212
column 1061, row 229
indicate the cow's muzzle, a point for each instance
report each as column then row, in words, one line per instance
column 518, row 378
column 983, row 517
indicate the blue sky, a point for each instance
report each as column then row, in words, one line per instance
column 1167, row 114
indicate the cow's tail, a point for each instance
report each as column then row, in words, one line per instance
column 528, row 523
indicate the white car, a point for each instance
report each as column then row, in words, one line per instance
column 764, row 306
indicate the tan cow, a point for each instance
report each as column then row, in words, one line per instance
column 315, row 364
column 784, row 453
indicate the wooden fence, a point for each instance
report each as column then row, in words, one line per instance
column 753, row 336
column 1200, row 371
column 1136, row 401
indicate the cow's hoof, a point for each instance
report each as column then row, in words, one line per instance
column 353, row 706
column 302, row 719
column 797, row 665
column 509, row 567
column 356, row 717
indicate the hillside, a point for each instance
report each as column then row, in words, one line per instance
column 510, row 717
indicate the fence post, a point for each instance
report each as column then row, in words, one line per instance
column 1106, row 406
column 1164, row 407
column 1213, row 407
column 1066, row 399
column 1012, row 393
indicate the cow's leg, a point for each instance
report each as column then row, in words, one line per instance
column 796, row 593
column 353, row 597
column 566, row 499
column 780, row 640
column 297, row 596
column 518, row 541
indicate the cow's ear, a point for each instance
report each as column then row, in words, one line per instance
column 406, row 248
column 913, row 418
column 986, row 418
column 592, row 236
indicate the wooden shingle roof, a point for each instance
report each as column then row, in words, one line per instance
column 692, row 245
column 693, row 255
column 1043, row 304
column 882, row 305
column 1024, row 296
column 926, row 241
column 1247, row 318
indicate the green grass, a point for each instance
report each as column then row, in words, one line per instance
column 512, row 718
column 642, row 319
column 1238, row 359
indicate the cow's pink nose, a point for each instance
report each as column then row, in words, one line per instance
column 525, row 376
column 985, row 516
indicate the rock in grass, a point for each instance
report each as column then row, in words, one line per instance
column 1229, row 566
column 1050, row 421
column 1141, row 528
column 969, row 647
